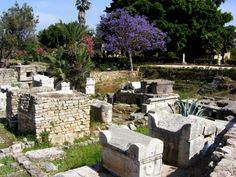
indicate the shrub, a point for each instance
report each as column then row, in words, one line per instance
column 205, row 61
column 192, row 74
column 231, row 62
column 192, row 107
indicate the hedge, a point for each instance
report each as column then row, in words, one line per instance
column 186, row 73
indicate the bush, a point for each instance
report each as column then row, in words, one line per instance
column 231, row 62
column 205, row 61
column 110, row 63
column 192, row 74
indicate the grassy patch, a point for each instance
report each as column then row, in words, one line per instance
column 6, row 168
column 6, row 137
column 187, row 89
column 142, row 130
column 114, row 85
column 79, row 156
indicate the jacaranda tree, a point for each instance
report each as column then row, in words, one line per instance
column 122, row 32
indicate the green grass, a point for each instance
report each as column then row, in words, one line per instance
column 6, row 169
column 6, row 137
column 142, row 130
column 79, row 156
column 187, row 89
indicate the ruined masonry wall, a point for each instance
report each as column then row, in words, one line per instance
column 111, row 75
column 7, row 77
column 13, row 96
column 64, row 117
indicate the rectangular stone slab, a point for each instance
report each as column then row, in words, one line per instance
column 45, row 154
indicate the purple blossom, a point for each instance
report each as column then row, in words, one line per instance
column 121, row 31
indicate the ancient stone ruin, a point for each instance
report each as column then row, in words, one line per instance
column 64, row 116
column 143, row 92
column 186, row 140
column 129, row 154
column 101, row 111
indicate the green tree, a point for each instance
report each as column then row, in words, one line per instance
column 18, row 24
column 51, row 37
column 70, row 61
column 61, row 34
column 82, row 6
column 194, row 27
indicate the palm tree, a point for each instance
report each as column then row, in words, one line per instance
column 72, row 32
column 82, row 6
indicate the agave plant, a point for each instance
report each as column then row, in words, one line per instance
column 190, row 107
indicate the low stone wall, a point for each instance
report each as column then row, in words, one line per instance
column 64, row 116
column 223, row 159
column 13, row 96
column 111, row 75
column 7, row 76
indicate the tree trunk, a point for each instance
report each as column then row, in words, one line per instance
column 81, row 17
column 131, row 60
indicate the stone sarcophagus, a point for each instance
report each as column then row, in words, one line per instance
column 186, row 139
column 158, row 86
column 129, row 154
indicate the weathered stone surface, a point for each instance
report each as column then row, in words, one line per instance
column 185, row 139
column 7, row 76
column 45, row 154
column 160, row 103
column 43, row 81
column 130, row 154
column 158, row 86
column 225, row 157
column 48, row 166
column 26, row 72
column 62, row 115
column 90, row 86
column 79, row 172
column 102, row 111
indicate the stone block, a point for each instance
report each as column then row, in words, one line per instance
column 102, row 111
column 130, row 154
column 90, row 81
column 45, row 154
column 186, row 140
column 90, row 89
column 84, row 171
column 158, row 86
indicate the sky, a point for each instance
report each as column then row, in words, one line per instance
column 52, row 11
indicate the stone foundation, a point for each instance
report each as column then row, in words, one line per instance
column 12, row 101
column 64, row 116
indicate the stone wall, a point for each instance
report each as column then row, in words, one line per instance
column 223, row 159
column 65, row 116
column 7, row 76
column 111, row 75
column 13, row 96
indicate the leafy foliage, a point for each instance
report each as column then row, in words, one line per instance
column 196, row 28
column 192, row 107
column 51, row 37
column 123, row 32
column 71, row 60
column 17, row 26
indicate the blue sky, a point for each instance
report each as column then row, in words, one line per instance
column 51, row 11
